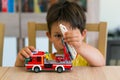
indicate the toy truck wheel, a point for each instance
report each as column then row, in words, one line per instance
column 37, row 69
column 59, row 69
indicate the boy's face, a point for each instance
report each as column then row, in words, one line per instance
column 56, row 35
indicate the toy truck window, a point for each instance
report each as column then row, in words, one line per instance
column 34, row 52
column 30, row 59
column 39, row 59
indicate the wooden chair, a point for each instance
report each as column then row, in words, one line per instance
column 97, row 27
column 1, row 42
column 32, row 29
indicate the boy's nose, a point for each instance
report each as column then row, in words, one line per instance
column 60, row 43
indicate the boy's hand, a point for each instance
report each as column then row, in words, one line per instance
column 25, row 52
column 74, row 38
column 22, row 54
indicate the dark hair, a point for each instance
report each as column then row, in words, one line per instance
column 69, row 12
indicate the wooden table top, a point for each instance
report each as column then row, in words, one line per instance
column 77, row 73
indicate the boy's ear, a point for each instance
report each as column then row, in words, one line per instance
column 48, row 35
column 84, row 34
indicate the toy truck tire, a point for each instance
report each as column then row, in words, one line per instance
column 59, row 69
column 36, row 69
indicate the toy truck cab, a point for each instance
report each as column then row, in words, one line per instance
column 34, row 62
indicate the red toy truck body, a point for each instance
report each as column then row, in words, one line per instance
column 37, row 62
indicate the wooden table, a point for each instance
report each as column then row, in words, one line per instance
column 78, row 73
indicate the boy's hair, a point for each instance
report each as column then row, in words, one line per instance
column 69, row 12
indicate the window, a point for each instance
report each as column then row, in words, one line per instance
column 38, row 59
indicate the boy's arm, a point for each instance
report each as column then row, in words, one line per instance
column 93, row 56
column 75, row 38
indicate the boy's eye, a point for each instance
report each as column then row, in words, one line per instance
column 57, row 35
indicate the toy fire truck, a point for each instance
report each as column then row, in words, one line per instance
column 38, row 62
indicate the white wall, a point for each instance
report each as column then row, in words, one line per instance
column 93, row 11
column 110, row 12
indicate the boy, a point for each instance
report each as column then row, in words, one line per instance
column 73, row 17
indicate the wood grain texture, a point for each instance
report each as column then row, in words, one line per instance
column 3, row 71
column 78, row 73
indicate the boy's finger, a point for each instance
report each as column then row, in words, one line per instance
column 28, row 51
column 21, row 57
column 24, row 54
column 31, row 48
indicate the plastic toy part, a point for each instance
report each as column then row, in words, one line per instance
column 71, row 49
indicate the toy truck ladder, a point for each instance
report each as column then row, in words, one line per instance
column 67, row 55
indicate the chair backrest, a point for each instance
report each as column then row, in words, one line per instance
column 94, row 27
column 1, row 42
